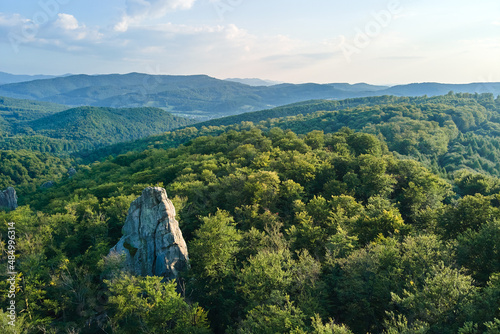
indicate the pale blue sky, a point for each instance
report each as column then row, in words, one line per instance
column 380, row 42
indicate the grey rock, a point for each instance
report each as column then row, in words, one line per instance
column 152, row 241
column 47, row 185
column 71, row 172
column 8, row 199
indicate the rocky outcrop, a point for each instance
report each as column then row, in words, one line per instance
column 47, row 185
column 8, row 199
column 152, row 241
column 71, row 172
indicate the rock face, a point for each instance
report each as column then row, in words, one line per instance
column 152, row 241
column 8, row 199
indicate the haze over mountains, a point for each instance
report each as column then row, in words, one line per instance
column 203, row 97
column 6, row 78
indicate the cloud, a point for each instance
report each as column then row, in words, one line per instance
column 140, row 10
column 67, row 29
column 67, row 22
column 11, row 20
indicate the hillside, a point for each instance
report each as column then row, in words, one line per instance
column 27, row 170
column 101, row 126
column 292, row 229
column 203, row 97
column 197, row 96
column 14, row 110
column 446, row 133
column 88, row 128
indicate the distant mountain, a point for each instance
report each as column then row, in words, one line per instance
column 255, row 81
column 6, row 78
column 359, row 87
column 434, row 89
column 203, row 97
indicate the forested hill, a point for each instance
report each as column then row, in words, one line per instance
column 204, row 97
column 16, row 110
column 446, row 133
column 88, row 128
column 107, row 125
column 284, row 232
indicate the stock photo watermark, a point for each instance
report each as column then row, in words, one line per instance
column 11, row 274
column 224, row 6
column 364, row 36
column 48, row 10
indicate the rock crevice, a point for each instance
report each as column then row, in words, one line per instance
column 152, row 240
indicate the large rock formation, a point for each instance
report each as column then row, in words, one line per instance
column 152, row 241
column 8, row 199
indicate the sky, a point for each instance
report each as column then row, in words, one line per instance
column 323, row 41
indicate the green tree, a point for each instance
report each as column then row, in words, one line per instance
column 146, row 304
column 213, row 267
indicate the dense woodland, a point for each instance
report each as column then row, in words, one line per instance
column 83, row 128
column 446, row 133
column 380, row 218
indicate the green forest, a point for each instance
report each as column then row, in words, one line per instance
column 31, row 126
column 371, row 215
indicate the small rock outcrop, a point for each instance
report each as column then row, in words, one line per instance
column 152, row 240
column 47, row 185
column 8, row 199
column 71, row 172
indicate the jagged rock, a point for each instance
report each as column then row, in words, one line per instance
column 8, row 199
column 71, row 172
column 152, row 240
column 47, row 185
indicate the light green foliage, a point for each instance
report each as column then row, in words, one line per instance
column 266, row 273
column 212, row 252
column 380, row 219
column 470, row 212
column 279, row 317
column 213, row 264
column 26, row 171
column 399, row 325
column 329, row 328
column 442, row 301
column 151, row 306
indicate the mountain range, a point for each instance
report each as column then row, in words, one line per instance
column 7, row 78
column 203, row 97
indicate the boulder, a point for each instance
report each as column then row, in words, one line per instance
column 8, row 199
column 152, row 241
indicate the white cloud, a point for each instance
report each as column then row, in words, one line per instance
column 140, row 10
column 67, row 22
column 11, row 20
column 68, row 29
